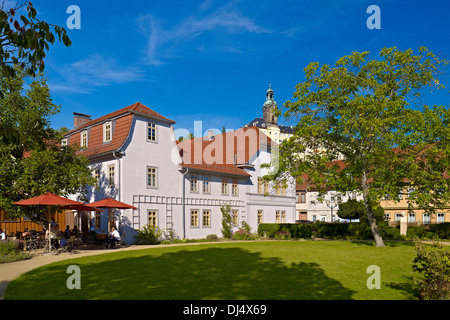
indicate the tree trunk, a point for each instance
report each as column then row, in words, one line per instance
column 372, row 222
column 373, row 225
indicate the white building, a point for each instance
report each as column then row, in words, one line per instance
column 177, row 186
column 325, row 209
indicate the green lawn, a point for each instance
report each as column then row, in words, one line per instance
column 253, row 270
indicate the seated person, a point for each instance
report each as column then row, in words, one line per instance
column 75, row 231
column 26, row 233
column 113, row 237
column 67, row 232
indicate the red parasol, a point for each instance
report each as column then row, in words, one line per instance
column 48, row 199
column 110, row 203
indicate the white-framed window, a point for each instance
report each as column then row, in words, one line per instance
column 225, row 186
column 277, row 216
column 194, row 184
column 152, row 218
column 151, row 131
column 152, row 177
column 107, row 132
column 426, row 218
column 63, row 142
column 111, row 175
column 84, row 139
column 206, row 184
column 260, row 186
column 302, row 197
column 440, row 217
column 410, row 191
column 235, row 217
column 234, row 188
column 387, row 216
column 411, row 217
column 260, row 216
column 283, row 216
column 206, row 218
column 194, row 218
column 97, row 178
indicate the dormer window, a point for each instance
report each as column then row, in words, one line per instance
column 84, row 139
column 107, row 132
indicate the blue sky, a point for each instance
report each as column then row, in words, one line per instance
column 212, row 61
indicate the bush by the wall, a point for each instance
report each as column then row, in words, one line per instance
column 441, row 229
column 297, row 231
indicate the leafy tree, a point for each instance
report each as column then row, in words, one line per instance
column 354, row 209
column 32, row 161
column 24, row 40
column 366, row 112
column 351, row 210
column 227, row 231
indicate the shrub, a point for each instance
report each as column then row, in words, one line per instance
column 148, row 235
column 282, row 235
column 296, row 231
column 433, row 265
column 441, row 229
column 242, row 234
column 10, row 253
column 212, row 237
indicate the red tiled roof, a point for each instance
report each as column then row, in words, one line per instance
column 123, row 117
column 224, row 152
column 136, row 107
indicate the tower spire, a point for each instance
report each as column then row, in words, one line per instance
column 270, row 107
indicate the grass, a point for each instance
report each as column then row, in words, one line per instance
column 254, row 270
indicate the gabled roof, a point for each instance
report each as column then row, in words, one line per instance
column 224, row 153
column 123, row 119
column 137, row 107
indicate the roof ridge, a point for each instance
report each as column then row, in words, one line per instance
column 119, row 112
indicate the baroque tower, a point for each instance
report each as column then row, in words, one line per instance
column 269, row 108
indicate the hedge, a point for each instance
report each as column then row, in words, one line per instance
column 297, row 231
column 354, row 231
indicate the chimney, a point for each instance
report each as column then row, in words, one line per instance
column 80, row 119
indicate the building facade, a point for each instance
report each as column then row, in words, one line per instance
column 177, row 186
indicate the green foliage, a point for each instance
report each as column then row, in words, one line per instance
column 442, row 230
column 32, row 161
column 432, row 263
column 297, row 231
column 242, row 234
column 212, row 237
column 359, row 109
column 148, row 235
column 226, row 222
column 282, row 235
column 10, row 253
column 26, row 39
column 352, row 210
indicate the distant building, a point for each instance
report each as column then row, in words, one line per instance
column 268, row 124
